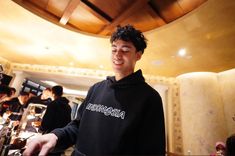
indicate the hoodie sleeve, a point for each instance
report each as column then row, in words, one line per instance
column 151, row 138
column 67, row 136
column 48, row 118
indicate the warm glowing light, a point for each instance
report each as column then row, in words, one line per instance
column 71, row 63
column 51, row 83
column 75, row 92
column 182, row 52
column 66, row 90
column 101, row 66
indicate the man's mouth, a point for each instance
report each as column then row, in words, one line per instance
column 117, row 62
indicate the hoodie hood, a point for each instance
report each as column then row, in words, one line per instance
column 130, row 80
column 63, row 100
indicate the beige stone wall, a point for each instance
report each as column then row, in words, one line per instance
column 227, row 85
column 202, row 113
column 7, row 65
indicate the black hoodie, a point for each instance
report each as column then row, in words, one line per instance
column 122, row 117
column 57, row 115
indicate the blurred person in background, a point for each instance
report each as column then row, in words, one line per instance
column 220, row 149
column 4, row 93
column 58, row 112
column 44, row 98
column 5, row 102
column 57, row 115
column 230, row 146
column 17, row 105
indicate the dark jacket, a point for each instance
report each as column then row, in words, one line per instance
column 15, row 107
column 122, row 117
column 38, row 100
column 57, row 115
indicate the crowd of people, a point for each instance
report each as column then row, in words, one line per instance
column 58, row 111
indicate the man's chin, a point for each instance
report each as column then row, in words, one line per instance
column 117, row 67
column 117, row 70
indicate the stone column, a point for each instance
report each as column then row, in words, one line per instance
column 18, row 80
column 202, row 113
column 227, row 85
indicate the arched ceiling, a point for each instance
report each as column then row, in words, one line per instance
column 102, row 16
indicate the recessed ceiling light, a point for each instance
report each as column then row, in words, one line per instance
column 182, row 52
column 71, row 63
column 101, row 66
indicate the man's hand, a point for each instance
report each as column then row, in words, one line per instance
column 42, row 145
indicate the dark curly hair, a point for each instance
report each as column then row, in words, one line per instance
column 130, row 34
column 57, row 90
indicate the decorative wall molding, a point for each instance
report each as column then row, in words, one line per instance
column 177, row 127
column 7, row 68
column 62, row 70
column 174, row 111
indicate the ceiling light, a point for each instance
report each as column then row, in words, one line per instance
column 182, row 52
column 71, row 63
column 74, row 92
column 101, row 66
column 51, row 83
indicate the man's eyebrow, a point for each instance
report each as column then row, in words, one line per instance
column 123, row 46
column 126, row 46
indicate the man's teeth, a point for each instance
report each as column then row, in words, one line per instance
column 118, row 62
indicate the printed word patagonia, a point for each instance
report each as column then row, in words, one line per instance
column 107, row 111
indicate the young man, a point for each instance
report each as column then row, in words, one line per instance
column 58, row 112
column 121, row 115
column 17, row 105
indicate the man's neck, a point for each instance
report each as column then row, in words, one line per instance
column 119, row 76
column 56, row 97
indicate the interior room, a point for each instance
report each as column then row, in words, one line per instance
column 189, row 59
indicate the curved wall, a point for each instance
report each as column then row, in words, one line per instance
column 227, row 83
column 202, row 114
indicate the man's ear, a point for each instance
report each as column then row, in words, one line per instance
column 138, row 55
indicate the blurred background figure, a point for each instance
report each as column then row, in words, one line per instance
column 230, row 146
column 32, row 97
column 220, row 149
column 17, row 105
column 9, row 95
column 44, row 98
column 46, row 94
column 13, row 91
column 58, row 113
column 4, row 92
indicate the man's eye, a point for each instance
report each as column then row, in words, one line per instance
column 125, row 49
column 114, row 50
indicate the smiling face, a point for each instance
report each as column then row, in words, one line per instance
column 124, row 56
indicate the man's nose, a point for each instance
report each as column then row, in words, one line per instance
column 118, row 54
